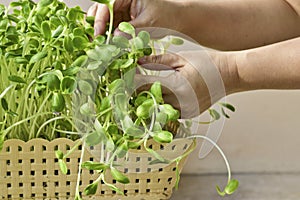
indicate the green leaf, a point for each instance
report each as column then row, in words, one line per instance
column 110, row 146
column 59, row 154
column 44, row 3
column 127, row 63
column 157, row 92
column 89, row 165
column 214, row 114
column 228, row 106
column 85, row 109
column 157, row 127
column 15, row 4
column 101, row 133
column 122, row 150
column 117, row 190
column 4, row 24
column 145, row 36
column 118, row 176
column 46, row 30
column 68, row 85
column 93, row 138
column 54, row 20
column 39, row 56
column 14, row 114
column 78, row 32
column 38, row 20
column 231, row 187
column 221, row 193
column 68, row 44
column 100, row 39
column 137, row 43
column 121, row 102
column 90, row 20
column 63, row 166
column 80, row 42
column 133, row 145
column 105, row 53
column 71, row 71
column 105, row 104
column 13, row 18
column 94, row 65
column 80, row 61
column 93, row 54
column 43, row 11
column 134, row 132
column 147, row 51
column 85, row 87
column 4, row 104
column 102, row 1
column 177, row 41
column 127, row 28
column 140, row 100
column 117, row 86
column 91, row 189
column 224, row 113
column 161, row 117
column 156, row 155
column 72, row 14
column 120, row 41
column 90, row 31
column 58, row 102
column 172, row 113
column 53, row 82
column 21, row 60
column 88, row 108
column 144, row 111
column 16, row 79
column 163, row 137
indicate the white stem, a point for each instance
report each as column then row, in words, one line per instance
column 218, row 148
column 111, row 13
column 79, row 169
column 5, row 91
column 102, row 153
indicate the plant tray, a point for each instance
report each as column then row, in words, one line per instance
column 30, row 170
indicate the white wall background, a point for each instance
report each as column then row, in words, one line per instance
column 262, row 136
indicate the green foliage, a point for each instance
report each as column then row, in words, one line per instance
column 59, row 80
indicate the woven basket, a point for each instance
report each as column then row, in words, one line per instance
column 31, row 171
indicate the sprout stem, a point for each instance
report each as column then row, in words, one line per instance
column 218, row 148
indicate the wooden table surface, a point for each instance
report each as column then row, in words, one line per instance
column 262, row 186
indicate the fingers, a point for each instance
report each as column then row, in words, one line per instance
column 101, row 14
column 162, row 62
column 92, row 10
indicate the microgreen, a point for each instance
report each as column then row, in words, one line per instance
column 56, row 82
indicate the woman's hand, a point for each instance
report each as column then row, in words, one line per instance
column 199, row 78
column 140, row 13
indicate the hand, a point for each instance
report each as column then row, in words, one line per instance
column 196, row 82
column 140, row 13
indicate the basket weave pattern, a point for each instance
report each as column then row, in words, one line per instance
column 31, row 171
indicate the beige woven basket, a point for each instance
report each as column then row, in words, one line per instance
column 31, row 171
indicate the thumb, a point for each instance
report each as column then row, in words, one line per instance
column 162, row 62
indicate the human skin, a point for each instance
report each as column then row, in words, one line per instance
column 218, row 24
column 275, row 66
column 269, row 29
